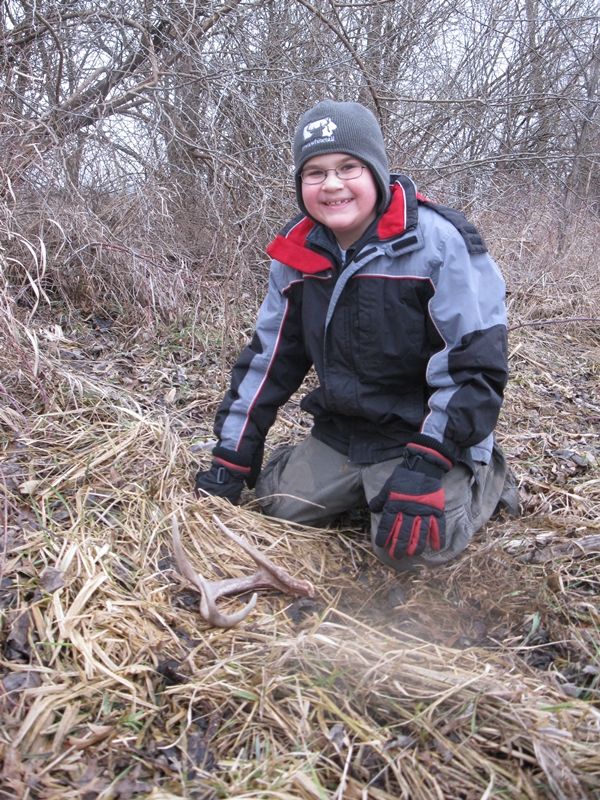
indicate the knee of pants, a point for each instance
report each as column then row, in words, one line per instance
column 294, row 509
column 275, row 503
column 309, row 483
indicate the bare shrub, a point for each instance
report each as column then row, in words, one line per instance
column 149, row 146
column 547, row 256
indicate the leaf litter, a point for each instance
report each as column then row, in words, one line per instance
column 477, row 680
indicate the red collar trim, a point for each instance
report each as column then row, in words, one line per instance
column 291, row 249
column 393, row 221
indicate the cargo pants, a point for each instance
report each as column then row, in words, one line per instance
column 313, row 484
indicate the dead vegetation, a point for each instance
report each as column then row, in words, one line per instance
column 479, row 680
column 145, row 153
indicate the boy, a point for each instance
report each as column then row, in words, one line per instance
column 399, row 308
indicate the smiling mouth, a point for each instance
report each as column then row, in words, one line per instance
column 330, row 203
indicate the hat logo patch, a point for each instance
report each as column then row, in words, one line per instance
column 321, row 128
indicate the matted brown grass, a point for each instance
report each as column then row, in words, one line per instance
column 479, row 680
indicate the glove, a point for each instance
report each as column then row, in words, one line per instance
column 412, row 504
column 220, row 481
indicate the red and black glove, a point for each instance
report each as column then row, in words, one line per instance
column 412, row 504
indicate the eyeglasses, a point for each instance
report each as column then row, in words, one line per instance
column 345, row 172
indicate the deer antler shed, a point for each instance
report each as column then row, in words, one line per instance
column 267, row 576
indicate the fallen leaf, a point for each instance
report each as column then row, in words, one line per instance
column 16, row 647
column 338, row 737
column 91, row 784
column 51, row 580
column 18, row 681
column 28, row 487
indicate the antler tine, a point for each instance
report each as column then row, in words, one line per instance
column 269, row 575
column 210, row 591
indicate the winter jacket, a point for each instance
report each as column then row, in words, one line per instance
column 407, row 336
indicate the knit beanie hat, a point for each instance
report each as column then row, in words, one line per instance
column 332, row 127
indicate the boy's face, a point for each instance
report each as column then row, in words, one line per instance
column 346, row 207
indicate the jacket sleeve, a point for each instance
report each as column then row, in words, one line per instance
column 466, row 378
column 270, row 368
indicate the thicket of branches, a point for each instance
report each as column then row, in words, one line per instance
column 145, row 164
column 146, row 145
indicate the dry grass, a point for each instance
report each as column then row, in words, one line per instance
column 479, row 680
